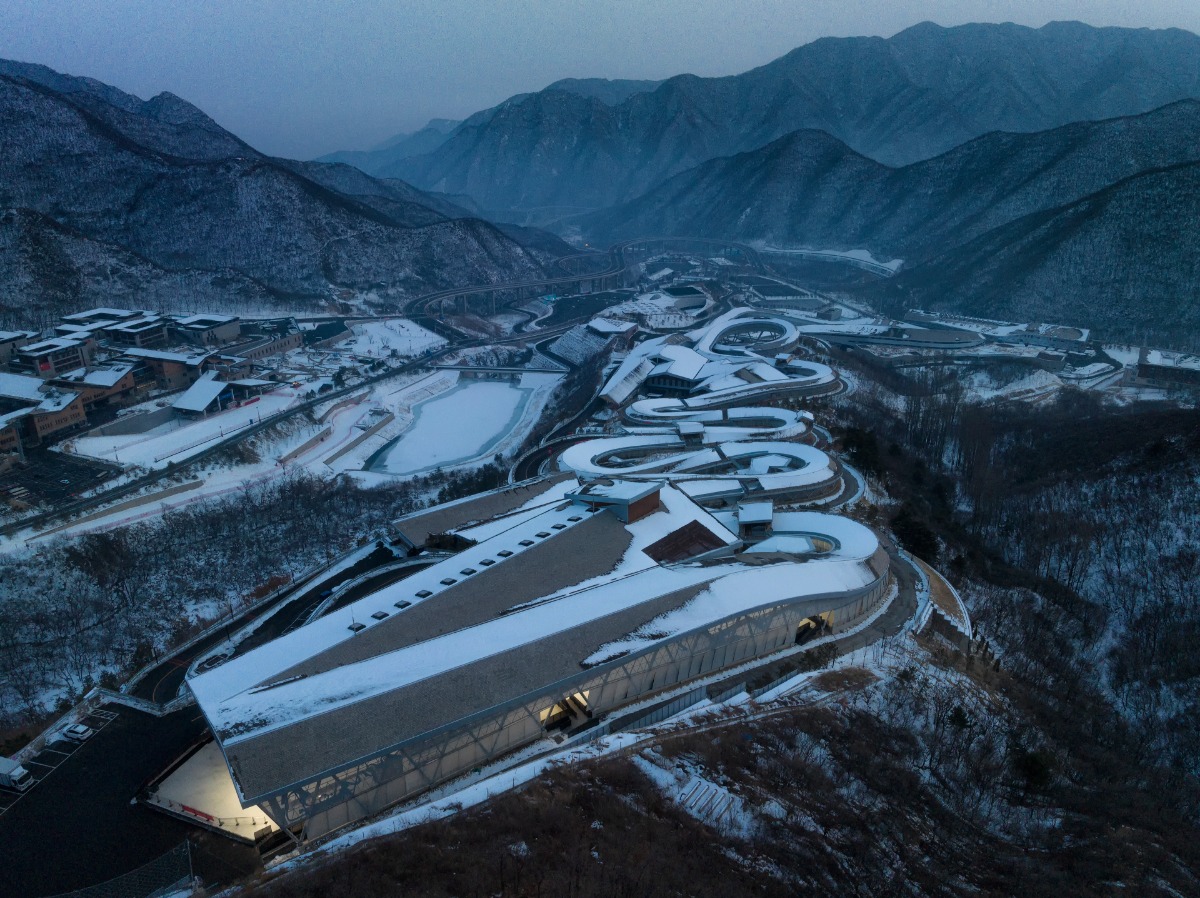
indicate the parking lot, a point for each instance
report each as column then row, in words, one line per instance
column 53, row 477
column 77, row 827
column 51, row 758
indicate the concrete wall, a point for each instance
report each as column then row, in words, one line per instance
column 320, row 437
column 132, row 424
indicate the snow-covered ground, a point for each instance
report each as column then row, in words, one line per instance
column 1034, row 387
column 181, row 439
column 709, row 802
column 449, row 421
column 380, row 338
column 858, row 255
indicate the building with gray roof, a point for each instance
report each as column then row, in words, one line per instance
column 568, row 604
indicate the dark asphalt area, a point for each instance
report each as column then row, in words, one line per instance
column 76, row 827
column 54, row 477
column 529, row 465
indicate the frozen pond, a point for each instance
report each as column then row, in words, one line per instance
column 460, row 425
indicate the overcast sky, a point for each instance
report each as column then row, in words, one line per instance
column 303, row 77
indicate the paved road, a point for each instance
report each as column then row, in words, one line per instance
column 528, row 465
column 66, row 833
column 898, row 614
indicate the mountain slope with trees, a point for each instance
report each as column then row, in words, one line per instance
column 386, row 159
column 896, row 100
column 1088, row 223
column 808, row 189
column 1125, row 260
column 159, row 182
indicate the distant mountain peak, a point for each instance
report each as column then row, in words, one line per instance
column 897, row 100
column 172, row 109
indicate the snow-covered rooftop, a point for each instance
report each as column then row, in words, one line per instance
column 184, row 358
column 55, row 400
column 201, row 394
column 54, row 344
column 101, row 312
column 203, row 321
column 9, row 417
column 619, row 490
column 104, row 376
column 524, row 607
column 755, row 512
column 138, row 326
column 609, row 326
column 20, row 386
column 1167, row 359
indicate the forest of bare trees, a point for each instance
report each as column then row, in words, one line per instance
column 1072, row 525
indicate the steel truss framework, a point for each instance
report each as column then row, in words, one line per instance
column 368, row 785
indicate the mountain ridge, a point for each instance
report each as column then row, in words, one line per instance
column 808, row 190
column 1074, row 263
column 161, row 191
column 897, row 100
column 384, row 159
column 766, row 194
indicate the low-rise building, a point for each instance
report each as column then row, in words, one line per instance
column 102, row 385
column 264, row 347
column 50, row 358
column 204, row 396
column 39, row 409
column 207, row 330
column 172, row 370
column 59, row 411
column 147, row 332
column 785, row 296
column 96, row 319
column 1159, row 368
column 10, row 432
column 11, row 341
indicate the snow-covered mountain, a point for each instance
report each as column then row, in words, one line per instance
column 111, row 196
column 1125, row 260
column 895, row 100
column 1080, row 223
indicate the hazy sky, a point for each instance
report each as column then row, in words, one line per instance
column 303, row 77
